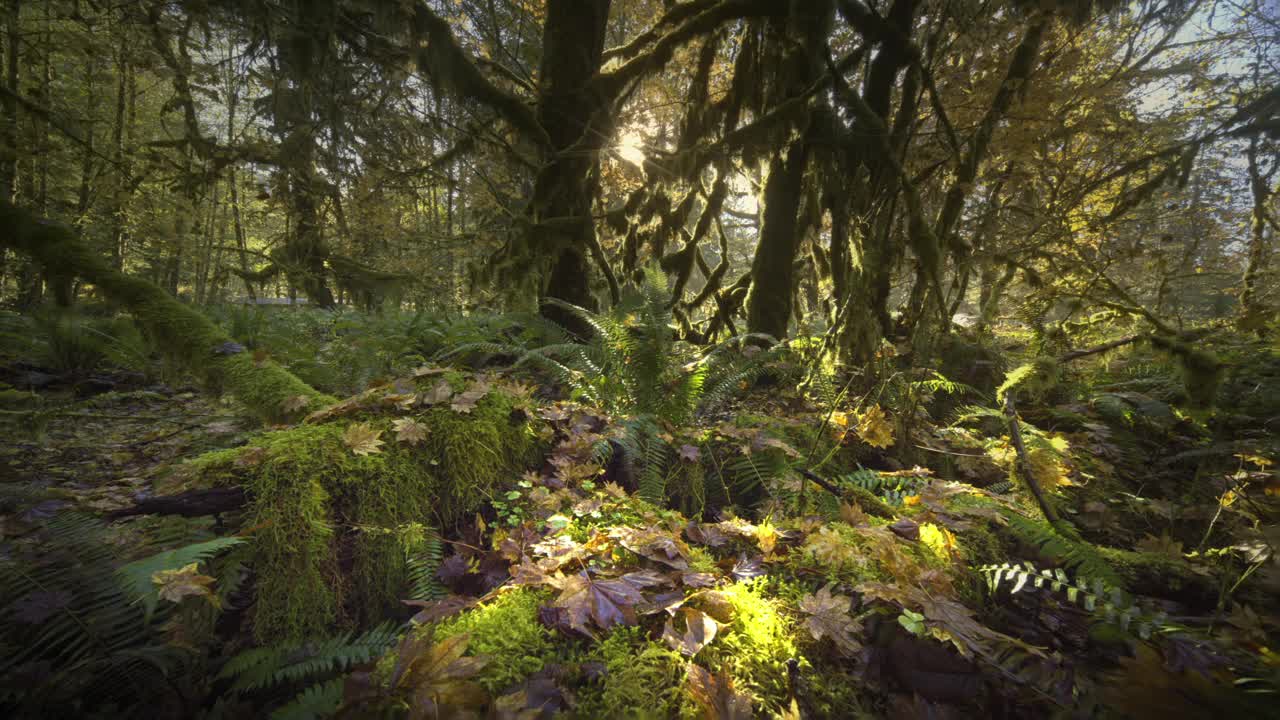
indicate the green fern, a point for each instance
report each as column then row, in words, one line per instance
column 1073, row 552
column 893, row 490
column 421, row 571
column 81, row 621
column 269, row 670
column 318, row 701
column 137, row 575
column 1095, row 595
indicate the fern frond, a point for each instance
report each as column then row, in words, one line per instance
column 318, row 701
column 137, row 575
column 1074, row 553
column 1095, row 595
column 421, row 571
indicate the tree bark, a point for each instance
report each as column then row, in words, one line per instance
column 574, row 117
column 772, row 270
column 1252, row 313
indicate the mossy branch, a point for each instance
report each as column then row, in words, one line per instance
column 181, row 332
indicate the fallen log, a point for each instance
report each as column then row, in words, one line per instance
column 193, row 503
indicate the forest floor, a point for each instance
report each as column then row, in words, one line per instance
column 801, row 560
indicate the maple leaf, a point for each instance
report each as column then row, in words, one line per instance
column 465, row 402
column 655, row 544
column 874, row 428
column 716, row 696
column 410, row 431
column 438, row 394
column 699, row 630
column 829, row 617
column 698, row 579
column 435, row 677
column 362, row 439
column 829, row 548
column 174, row 585
column 603, row 602
column 295, row 403
column 747, row 568
column 1163, row 545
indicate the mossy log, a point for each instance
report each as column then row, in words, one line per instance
column 271, row 392
column 342, row 505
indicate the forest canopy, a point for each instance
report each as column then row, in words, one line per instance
column 714, row 358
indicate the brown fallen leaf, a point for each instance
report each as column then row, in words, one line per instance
column 828, row 616
column 176, row 585
column 716, row 696
column 362, row 439
column 438, row 394
column 699, row 629
column 410, row 431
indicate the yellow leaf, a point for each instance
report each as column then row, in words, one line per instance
column 175, row 585
column 362, row 439
column 874, row 428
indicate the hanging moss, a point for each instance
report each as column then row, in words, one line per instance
column 1201, row 370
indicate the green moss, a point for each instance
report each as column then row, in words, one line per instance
column 506, row 631
column 702, row 561
column 304, row 482
column 18, row 399
column 755, row 646
column 642, row 678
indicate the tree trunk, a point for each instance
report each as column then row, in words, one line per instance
column 1252, row 313
column 9, row 153
column 301, row 53
column 772, row 270
column 573, row 116
column 268, row 390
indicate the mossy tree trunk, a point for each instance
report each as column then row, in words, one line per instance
column 303, row 52
column 576, row 119
column 1252, row 312
column 772, row 269
column 797, row 42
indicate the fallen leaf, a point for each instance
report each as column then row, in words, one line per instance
column 699, row 630
column 435, row 677
column 362, row 439
column 906, row 529
column 438, row 394
column 410, row 431
column 874, row 428
column 828, row 616
column 175, row 585
column 716, row 696
column 604, row 603
column 465, row 402
column 747, row 568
